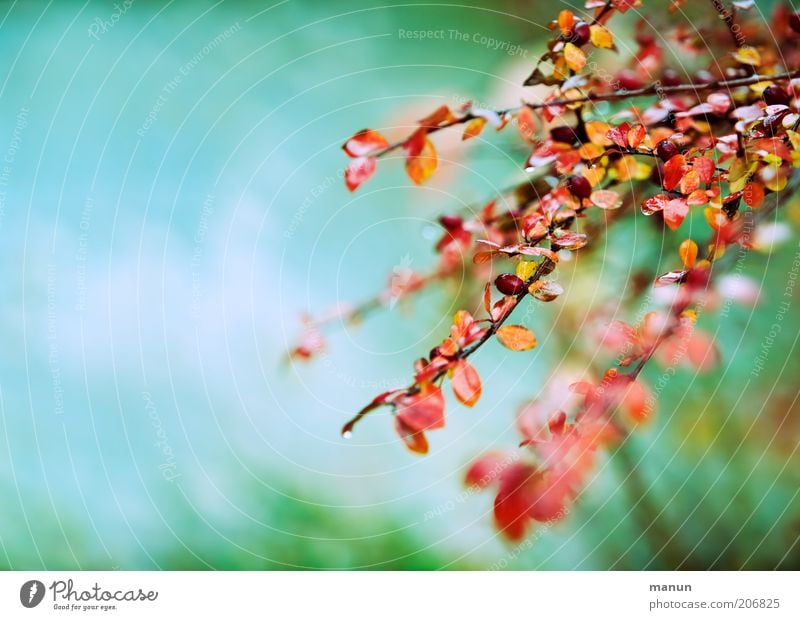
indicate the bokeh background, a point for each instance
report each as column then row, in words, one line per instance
column 171, row 202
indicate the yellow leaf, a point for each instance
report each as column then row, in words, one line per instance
column 525, row 269
column 627, row 167
column 748, row 56
column 516, row 337
column 560, row 69
column 594, row 175
column 474, row 128
column 794, row 138
column 574, row 57
column 601, row 36
column 643, row 171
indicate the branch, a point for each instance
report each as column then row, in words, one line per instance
column 658, row 89
column 618, row 95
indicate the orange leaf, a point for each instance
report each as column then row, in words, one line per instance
column 466, row 383
column 474, row 128
column 697, row 197
column 636, row 135
column 597, row 132
column 487, row 298
column 516, row 337
column 420, row 167
column 365, row 142
column 690, row 182
column 606, row 199
column 688, row 253
column 566, row 21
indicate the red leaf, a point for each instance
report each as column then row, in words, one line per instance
column 754, row 195
column 673, row 171
column 526, row 122
column 654, row 204
column 416, row 142
column 514, row 499
column 365, row 142
column 414, row 440
column 358, row 171
column 486, row 469
column 705, row 168
column 440, row 116
column 569, row 240
column 619, row 135
column 701, row 351
column 422, row 411
column 382, row 399
column 466, row 383
column 557, row 423
column 675, row 212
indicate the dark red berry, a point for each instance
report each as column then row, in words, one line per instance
column 670, row 78
column 451, row 222
column 580, row 34
column 775, row 95
column 628, row 80
column 509, row 284
column 563, row 134
column 579, row 187
column 794, row 22
column 666, row 150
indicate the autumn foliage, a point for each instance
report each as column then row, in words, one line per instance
column 722, row 141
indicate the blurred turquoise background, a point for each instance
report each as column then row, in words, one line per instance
column 171, row 202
